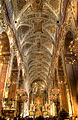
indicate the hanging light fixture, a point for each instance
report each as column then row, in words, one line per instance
column 52, row 97
column 55, row 91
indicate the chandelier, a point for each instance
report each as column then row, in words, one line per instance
column 52, row 97
column 55, row 91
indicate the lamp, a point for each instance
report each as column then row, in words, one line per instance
column 55, row 91
column 52, row 97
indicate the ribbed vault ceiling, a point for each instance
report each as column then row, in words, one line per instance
column 35, row 24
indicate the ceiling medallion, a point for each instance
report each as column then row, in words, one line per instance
column 37, row 5
column 38, row 26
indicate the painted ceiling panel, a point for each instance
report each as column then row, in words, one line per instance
column 36, row 24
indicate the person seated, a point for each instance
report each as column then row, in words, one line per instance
column 15, row 118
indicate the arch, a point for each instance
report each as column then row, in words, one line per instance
column 23, row 28
column 38, row 80
column 32, row 61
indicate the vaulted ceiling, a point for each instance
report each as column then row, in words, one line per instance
column 35, row 22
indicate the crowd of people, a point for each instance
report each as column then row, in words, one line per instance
column 28, row 118
column 37, row 118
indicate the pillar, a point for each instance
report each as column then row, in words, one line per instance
column 63, row 94
column 3, row 71
column 67, row 86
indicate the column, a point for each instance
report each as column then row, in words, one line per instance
column 2, row 81
column 8, row 76
column 67, row 87
column 63, row 94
